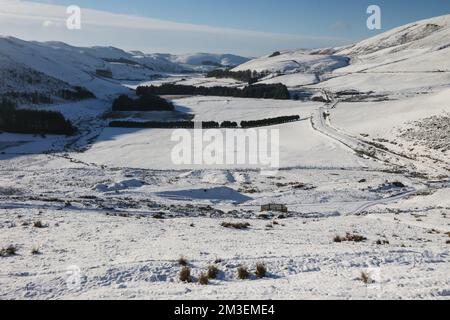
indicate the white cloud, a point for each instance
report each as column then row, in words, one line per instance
column 19, row 18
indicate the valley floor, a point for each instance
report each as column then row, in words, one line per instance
column 136, row 258
column 106, row 214
column 364, row 174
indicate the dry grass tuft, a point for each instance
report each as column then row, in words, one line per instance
column 350, row 238
column 203, row 279
column 185, row 275
column 238, row 226
column 365, row 277
column 213, row 272
column 381, row 242
column 182, row 261
column 261, row 270
column 243, row 273
column 9, row 251
column 40, row 225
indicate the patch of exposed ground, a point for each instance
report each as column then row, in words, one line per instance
column 432, row 132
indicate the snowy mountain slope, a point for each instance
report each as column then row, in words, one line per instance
column 208, row 59
column 420, row 50
column 408, row 60
column 15, row 77
column 296, row 68
column 420, row 46
column 429, row 33
column 80, row 66
column 119, row 211
column 299, row 61
column 64, row 63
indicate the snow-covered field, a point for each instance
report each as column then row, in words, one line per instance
column 107, row 213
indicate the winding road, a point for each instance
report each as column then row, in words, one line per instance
column 320, row 121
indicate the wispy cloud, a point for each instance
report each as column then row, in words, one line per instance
column 32, row 21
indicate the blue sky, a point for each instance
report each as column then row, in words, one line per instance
column 309, row 23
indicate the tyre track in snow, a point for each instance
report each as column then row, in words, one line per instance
column 320, row 123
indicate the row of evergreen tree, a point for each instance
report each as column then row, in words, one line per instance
column 147, row 102
column 205, row 124
column 77, row 94
column 259, row 91
column 32, row 121
column 269, row 121
column 248, row 76
column 30, row 97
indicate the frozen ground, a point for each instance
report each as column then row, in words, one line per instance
column 125, row 229
column 114, row 226
column 107, row 214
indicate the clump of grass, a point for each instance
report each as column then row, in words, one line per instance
column 203, row 279
column 39, row 225
column 349, row 238
column 9, row 251
column 381, row 242
column 243, row 273
column 448, row 242
column 182, row 261
column 158, row 216
column 365, row 277
column 213, row 272
column 238, row 226
column 35, row 251
column 261, row 270
column 185, row 275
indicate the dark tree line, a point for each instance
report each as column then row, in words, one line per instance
column 153, row 124
column 248, row 76
column 229, row 124
column 33, row 121
column 122, row 60
column 79, row 93
column 275, row 54
column 205, row 124
column 269, row 121
column 211, row 63
column 146, row 102
column 30, row 97
column 261, row 91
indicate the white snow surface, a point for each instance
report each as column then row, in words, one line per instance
column 294, row 62
column 117, row 213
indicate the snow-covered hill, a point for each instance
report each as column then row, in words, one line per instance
column 299, row 61
column 416, row 47
column 99, row 69
column 410, row 59
column 208, row 61
column 107, row 213
column 419, row 50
